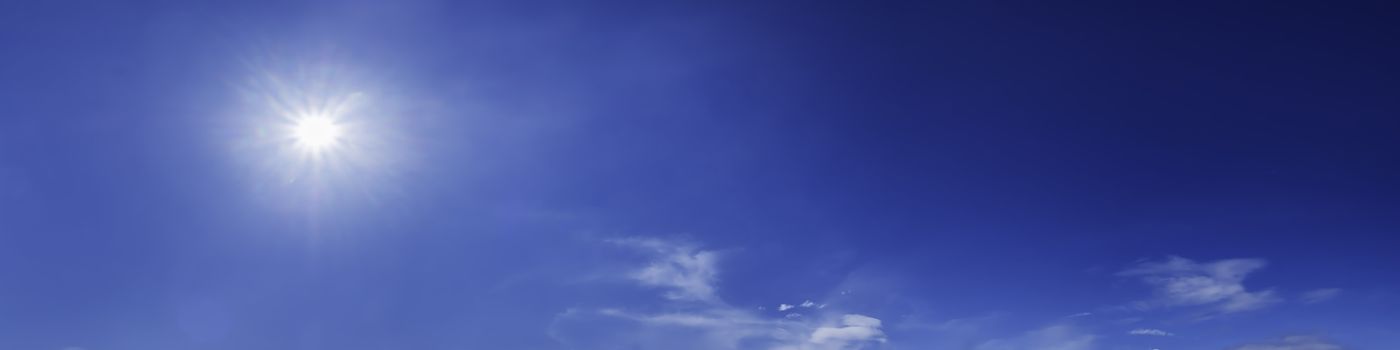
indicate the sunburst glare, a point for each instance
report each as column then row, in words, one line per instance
column 318, row 132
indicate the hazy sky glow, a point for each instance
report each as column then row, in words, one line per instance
column 591, row 175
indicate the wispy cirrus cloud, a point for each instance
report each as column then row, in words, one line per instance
column 1320, row 295
column 1151, row 332
column 690, row 314
column 1219, row 285
column 1297, row 342
column 696, row 318
column 1053, row 337
column 687, row 272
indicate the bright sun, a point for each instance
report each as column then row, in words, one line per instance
column 317, row 134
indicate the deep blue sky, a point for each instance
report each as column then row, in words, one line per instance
column 964, row 175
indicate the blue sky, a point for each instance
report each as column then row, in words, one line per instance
column 963, row 175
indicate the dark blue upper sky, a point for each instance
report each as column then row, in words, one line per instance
column 966, row 175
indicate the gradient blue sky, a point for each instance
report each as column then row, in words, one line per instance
column 962, row 175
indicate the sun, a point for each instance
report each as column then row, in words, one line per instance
column 316, row 134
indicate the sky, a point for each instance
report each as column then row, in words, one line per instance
column 771, row 175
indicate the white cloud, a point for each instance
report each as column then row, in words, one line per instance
column 1181, row 282
column 1082, row 314
column 958, row 325
column 707, row 329
column 1055, row 337
column 1320, row 295
column 711, row 329
column 1150, row 331
column 806, row 304
column 854, row 329
column 690, row 274
column 1293, row 343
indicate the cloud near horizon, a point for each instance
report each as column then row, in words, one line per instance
column 696, row 318
column 1054, row 337
column 689, row 314
column 1297, row 342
